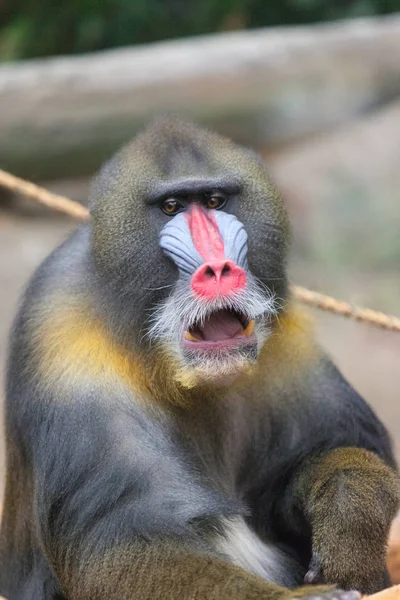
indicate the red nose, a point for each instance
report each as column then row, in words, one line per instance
column 218, row 278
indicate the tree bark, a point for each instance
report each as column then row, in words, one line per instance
column 63, row 116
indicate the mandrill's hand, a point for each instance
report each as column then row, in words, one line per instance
column 368, row 580
column 348, row 571
column 351, row 509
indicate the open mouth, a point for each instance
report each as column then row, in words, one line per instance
column 222, row 328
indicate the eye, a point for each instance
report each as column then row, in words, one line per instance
column 216, row 200
column 172, row 207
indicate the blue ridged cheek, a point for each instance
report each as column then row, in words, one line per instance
column 235, row 238
column 176, row 242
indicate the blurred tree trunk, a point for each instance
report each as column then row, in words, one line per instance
column 63, row 116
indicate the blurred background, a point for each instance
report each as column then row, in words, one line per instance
column 313, row 85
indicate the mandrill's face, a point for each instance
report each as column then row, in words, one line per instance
column 216, row 317
column 216, row 233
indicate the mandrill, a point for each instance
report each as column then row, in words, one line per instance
column 173, row 430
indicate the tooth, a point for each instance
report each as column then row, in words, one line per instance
column 190, row 337
column 248, row 331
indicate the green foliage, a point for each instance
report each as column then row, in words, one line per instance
column 31, row 28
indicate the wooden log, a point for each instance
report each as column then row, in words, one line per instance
column 63, row 116
column 392, row 593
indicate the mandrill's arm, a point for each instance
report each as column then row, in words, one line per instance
column 347, row 493
column 349, row 496
column 167, row 571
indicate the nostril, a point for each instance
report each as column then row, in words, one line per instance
column 226, row 270
column 218, row 278
column 209, row 273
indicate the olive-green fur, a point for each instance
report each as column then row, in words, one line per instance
column 351, row 498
